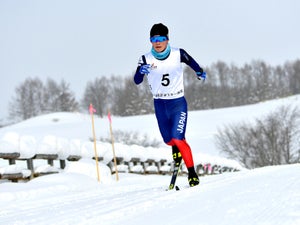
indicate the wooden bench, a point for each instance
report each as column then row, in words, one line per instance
column 71, row 158
column 49, row 157
column 122, row 165
column 14, row 177
column 135, row 166
column 164, row 167
column 150, row 166
column 11, row 157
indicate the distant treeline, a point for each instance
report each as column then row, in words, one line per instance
column 225, row 86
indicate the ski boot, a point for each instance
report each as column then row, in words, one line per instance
column 176, row 156
column 193, row 177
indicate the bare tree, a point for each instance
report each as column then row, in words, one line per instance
column 235, row 143
column 133, row 99
column 294, row 79
column 33, row 98
column 59, row 97
column 66, row 98
column 273, row 140
column 28, row 101
column 97, row 93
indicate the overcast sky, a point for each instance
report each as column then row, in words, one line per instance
column 79, row 41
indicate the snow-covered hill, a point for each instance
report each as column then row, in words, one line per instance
column 201, row 127
column 264, row 196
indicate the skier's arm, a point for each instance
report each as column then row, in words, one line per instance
column 138, row 77
column 187, row 59
column 141, row 70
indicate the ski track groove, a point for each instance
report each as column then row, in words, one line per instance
column 292, row 184
column 89, row 204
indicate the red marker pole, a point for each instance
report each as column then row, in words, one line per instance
column 112, row 144
column 92, row 111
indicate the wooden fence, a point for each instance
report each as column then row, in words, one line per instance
column 134, row 165
column 22, row 158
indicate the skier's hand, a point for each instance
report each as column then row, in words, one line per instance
column 145, row 69
column 201, row 74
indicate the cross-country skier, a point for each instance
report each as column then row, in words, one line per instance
column 164, row 71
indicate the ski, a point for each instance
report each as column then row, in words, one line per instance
column 174, row 177
column 182, row 187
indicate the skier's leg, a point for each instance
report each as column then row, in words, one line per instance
column 187, row 156
column 185, row 151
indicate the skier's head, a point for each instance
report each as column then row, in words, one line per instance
column 160, row 39
column 160, row 30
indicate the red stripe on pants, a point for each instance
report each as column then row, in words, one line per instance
column 185, row 151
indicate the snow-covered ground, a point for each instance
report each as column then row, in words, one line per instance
column 269, row 195
column 265, row 196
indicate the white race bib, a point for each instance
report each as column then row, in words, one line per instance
column 166, row 76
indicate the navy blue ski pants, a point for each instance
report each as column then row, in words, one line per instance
column 171, row 116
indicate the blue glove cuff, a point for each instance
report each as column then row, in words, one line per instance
column 145, row 69
column 201, row 75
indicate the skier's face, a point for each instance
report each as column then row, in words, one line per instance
column 160, row 46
